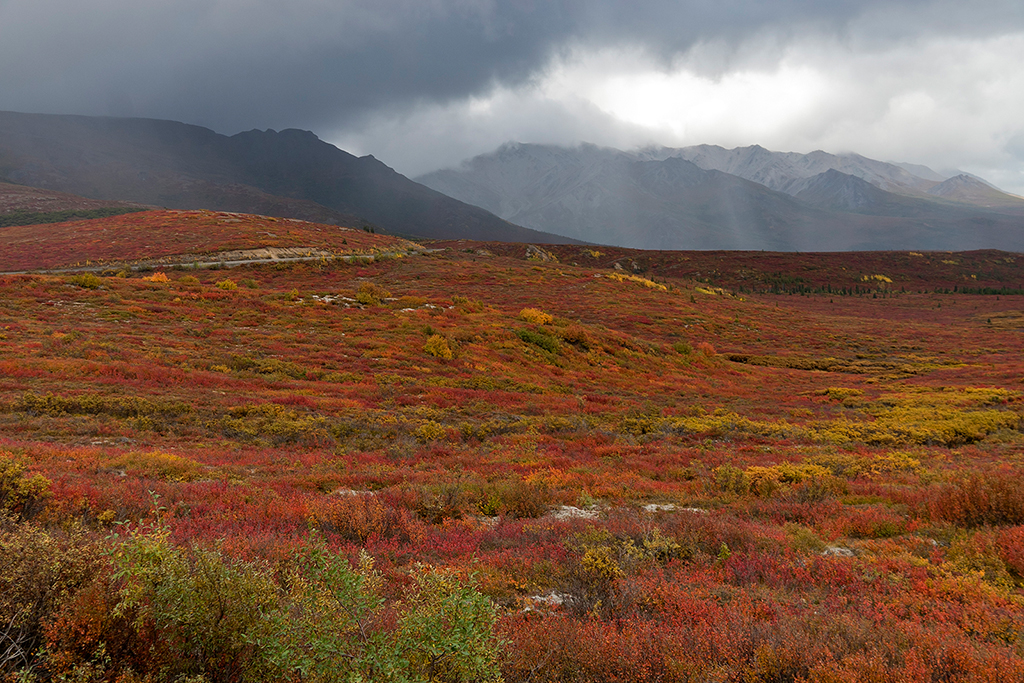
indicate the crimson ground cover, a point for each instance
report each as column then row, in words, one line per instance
column 653, row 478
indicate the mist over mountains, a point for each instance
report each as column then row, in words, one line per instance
column 708, row 197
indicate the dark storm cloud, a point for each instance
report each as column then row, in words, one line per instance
column 237, row 64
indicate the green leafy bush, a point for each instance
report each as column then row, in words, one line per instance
column 539, row 339
column 207, row 612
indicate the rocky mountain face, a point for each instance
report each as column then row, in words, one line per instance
column 788, row 171
column 290, row 173
column 707, row 197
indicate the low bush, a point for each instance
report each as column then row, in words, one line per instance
column 40, row 571
column 536, row 316
column 371, row 294
column 160, row 465
column 993, row 499
column 438, row 347
column 21, row 495
column 539, row 339
column 86, row 281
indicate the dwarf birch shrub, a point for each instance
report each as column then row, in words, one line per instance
column 39, row 572
column 370, row 294
column 86, row 281
column 206, row 612
column 21, row 495
column 438, row 347
column 536, row 316
column 339, row 627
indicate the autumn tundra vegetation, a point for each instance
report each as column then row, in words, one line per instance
column 393, row 461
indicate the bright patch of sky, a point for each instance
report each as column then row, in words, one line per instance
column 951, row 104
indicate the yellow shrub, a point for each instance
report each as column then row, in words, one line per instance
column 642, row 281
column 536, row 316
column 429, row 431
column 157, row 277
column 160, row 465
column 600, row 564
column 840, row 393
column 763, row 481
column 437, row 346
column 370, row 294
column 228, row 285
column 20, row 493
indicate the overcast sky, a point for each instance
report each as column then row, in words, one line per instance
column 422, row 84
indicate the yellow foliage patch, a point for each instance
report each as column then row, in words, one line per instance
column 160, row 465
column 642, row 281
column 536, row 316
column 437, row 346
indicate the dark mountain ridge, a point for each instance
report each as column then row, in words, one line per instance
column 290, row 173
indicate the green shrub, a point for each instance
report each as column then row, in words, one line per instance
column 336, row 626
column 683, row 348
column 276, row 424
column 731, row 479
column 546, row 342
column 90, row 404
column 205, row 611
column 446, row 629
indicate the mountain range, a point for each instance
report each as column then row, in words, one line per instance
column 702, row 197
column 708, row 197
column 290, row 173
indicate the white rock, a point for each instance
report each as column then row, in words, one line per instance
column 571, row 512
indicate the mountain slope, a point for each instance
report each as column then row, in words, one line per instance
column 783, row 171
column 25, row 199
column 289, row 173
column 613, row 197
column 607, row 196
column 967, row 189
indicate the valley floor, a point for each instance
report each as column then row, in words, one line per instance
column 649, row 478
